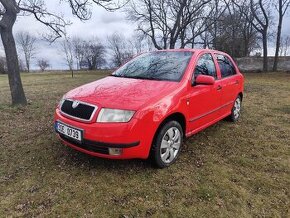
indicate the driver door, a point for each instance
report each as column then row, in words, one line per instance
column 204, row 100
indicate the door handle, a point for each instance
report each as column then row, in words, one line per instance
column 237, row 82
column 219, row 87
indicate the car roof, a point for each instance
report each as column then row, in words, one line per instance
column 197, row 50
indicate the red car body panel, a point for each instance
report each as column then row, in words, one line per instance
column 153, row 101
column 125, row 93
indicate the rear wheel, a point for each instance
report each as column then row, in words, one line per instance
column 167, row 144
column 236, row 110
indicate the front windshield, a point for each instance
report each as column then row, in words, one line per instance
column 156, row 66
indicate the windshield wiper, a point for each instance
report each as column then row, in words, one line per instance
column 138, row 77
column 143, row 77
column 114, row 75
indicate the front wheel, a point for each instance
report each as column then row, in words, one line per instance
column 167, row 144
column 236, row 110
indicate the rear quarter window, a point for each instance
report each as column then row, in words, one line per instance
column 226, row 66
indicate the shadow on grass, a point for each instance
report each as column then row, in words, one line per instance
column 76, row 158
column 192, row 146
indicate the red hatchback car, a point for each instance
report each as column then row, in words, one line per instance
column 149, row 105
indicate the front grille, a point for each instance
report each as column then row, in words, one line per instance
column 86, row 145
column 82, row 111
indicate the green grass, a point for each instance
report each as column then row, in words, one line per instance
column 228, row 170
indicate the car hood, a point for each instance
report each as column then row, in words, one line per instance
column 122, row 93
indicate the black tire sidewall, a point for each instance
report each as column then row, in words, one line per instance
column 157, row 143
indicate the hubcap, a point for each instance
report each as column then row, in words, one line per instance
column 237, row 108
column 170, row 145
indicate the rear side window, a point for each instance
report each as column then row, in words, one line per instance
column 205, row 66
column 226, row 66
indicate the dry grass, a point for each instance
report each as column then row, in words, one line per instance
column 228, row 170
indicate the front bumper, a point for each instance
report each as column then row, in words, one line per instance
column 99, row 137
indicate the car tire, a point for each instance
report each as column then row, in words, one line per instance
column 236, row 110
column 167, row 144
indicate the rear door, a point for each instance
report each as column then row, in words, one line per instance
column 230, row 82
column 204, row 100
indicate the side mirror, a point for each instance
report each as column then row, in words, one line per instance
column 204, row 80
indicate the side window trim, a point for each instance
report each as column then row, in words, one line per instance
column 213, row 61
column 231, row 64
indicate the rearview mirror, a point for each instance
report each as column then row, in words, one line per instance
column 204, row 80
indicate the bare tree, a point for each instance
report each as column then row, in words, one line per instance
column 203, row 29
column 43, row 64
column 164, row 21
column 282, row 7
column 79, row 50
column 21, row 65
column 67, row 49
column 10, row 9
column 285, row 45
column 140, row 43
column 27, row 44
column 232, row 32
column 121, row 49
column 260, row 14
column 195, row 29
column 94, row 56
column 137, row 44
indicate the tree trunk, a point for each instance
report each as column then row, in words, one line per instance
column 192, row 42
column 182, row 39
column 278, row 39
column 17, row 92
column 246, row 47
column 27, row 64
column 265, row 53
column 171, row 44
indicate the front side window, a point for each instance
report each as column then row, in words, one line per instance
column 227, row 68
column 164, row 65
column 205, row 66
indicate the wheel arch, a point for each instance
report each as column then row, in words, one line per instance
column 177, row 116
column 241, row 95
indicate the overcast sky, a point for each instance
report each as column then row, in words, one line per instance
column 101, row 24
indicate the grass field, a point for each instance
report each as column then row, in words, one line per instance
column 228, row 170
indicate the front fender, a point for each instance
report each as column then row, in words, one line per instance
column 152, row 117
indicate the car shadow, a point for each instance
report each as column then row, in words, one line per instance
column 191, row 148
column 77, row 158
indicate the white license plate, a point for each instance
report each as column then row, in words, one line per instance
column 69, row 131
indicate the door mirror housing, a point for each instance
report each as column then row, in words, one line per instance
column 204, row 80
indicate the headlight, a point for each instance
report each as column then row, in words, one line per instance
column 114, row 115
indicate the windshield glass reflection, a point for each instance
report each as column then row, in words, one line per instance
column 156, row 66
